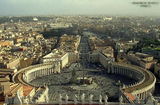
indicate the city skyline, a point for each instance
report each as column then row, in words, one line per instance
column 75, row 7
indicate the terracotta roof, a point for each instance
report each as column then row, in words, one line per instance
column 130, row 96
column 5, row 43
column 27, row 90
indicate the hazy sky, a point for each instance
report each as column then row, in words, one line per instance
column 73, row 7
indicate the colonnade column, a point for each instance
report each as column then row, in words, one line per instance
column 120, row 71
column 41, row 73
column 123, row 71
column 109, row 69
column 44, row 72
column 115, row 70
column 47, row 71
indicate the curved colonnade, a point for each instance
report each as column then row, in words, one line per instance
column 26, row 75
column 145, row 79
column 142, row 88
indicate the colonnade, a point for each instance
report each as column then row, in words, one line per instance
column 145, row 92
column 38, row 73
column 32, row 72
column 131, row 73
column 144, row 85
column 145, row 80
